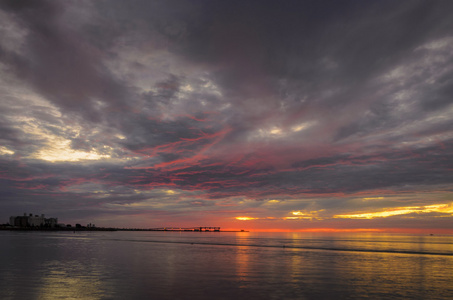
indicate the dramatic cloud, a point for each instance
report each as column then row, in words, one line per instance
column 240, row 114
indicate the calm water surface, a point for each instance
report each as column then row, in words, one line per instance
column 194, row 265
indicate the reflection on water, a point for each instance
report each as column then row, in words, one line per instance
column 144, row 265
column 242, row 265
column 70, row 280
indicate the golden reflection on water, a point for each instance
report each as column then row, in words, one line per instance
column 358, row 272
column 387, row 270
column 361, row 271
column 70, row 280
column 243, row 264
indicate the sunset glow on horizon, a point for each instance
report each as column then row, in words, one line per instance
column 445, row 209
column 292, row 116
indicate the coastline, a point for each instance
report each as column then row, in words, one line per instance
column 113, row 229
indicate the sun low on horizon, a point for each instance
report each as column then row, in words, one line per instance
column 301, row 116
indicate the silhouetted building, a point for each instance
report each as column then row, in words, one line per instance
column 32, row 221
column 36, row 221
column 51, row 222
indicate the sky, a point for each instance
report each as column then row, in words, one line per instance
column 258, row 115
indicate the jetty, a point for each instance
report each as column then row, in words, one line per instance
column 180, row 229
column 188, row 229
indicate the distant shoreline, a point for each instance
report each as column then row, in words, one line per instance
column 114, row 229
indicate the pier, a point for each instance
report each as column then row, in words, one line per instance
column 190, row 229
column 180, row 229
column 193, row 229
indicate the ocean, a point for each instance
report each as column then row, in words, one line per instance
column 224, row 265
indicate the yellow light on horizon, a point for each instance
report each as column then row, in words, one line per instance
column 307, row 215
column 291, row 218
column 373, row 198
column 441, row 208
column 298, row 213
column 245, row 218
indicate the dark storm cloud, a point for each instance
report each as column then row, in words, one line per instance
column 59, row 62
column 318, row 43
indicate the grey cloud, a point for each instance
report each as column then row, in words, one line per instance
column 59, row 63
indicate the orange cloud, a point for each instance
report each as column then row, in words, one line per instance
column 307, row 215
column 440, row 208
column 245, row 218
